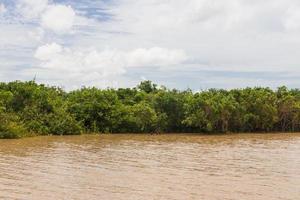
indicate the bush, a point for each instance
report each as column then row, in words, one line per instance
column 64, row 124
column 12, row 130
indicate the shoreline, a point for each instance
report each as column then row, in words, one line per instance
column 151, row 134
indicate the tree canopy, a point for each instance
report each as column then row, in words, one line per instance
column 28, row 108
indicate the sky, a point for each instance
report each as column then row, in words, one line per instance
column 196, row 44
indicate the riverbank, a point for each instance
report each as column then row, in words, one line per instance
column 29, row 135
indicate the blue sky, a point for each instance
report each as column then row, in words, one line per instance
column 195, row 44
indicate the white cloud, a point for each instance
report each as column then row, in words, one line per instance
column 292, row 20
column 91, row 65
column 2, row 9
column 31, row 8
column 10, row 36
column 238, row 35
column 155, row 56
column 37, row 34
column 58, row 18
column 232, row 35
column 48, row 51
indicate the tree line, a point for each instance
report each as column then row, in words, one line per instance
column 28, row 108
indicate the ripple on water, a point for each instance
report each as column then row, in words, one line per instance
column 151, row 167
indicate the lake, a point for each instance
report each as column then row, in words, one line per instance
column 173, row 166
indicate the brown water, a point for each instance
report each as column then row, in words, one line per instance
column 151, row 167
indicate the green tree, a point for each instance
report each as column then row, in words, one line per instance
column 147, row 86
column 144, row 117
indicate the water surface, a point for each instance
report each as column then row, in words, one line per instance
column 259, row 166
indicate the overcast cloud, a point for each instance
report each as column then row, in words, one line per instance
column 117, row 43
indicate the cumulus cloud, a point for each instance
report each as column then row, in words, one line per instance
column 107, row 61
column 48, row 51
column 58, row 18
column 93, row 64
column 59, row 59
column 124, row 38
column 237, row 35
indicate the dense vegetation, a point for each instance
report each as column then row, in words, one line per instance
column 28, row 108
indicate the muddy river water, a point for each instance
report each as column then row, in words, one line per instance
column 184, row 166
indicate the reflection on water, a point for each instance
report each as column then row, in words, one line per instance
column 151, row 167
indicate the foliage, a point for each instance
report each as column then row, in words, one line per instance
column 28, row 108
